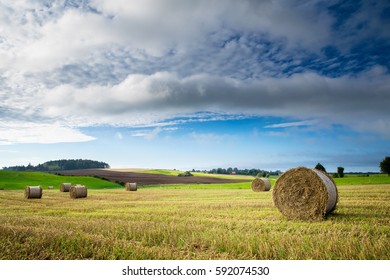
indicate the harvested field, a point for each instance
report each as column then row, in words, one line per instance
column 145, row 179
column 190, row 224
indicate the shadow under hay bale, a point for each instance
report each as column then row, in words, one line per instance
column 306, row 194
column 33, row 192
column 261, row 185
column 131, row 187
column 65, row 187
column 78, row 191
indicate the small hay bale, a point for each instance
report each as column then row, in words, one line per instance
column 50, row 188
column 131, row 187
column 305, row 194
column 261, row 185
column 65, row 187
column 33, row 192
column 78, row 191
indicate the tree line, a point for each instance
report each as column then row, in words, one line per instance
column 384, row 166
column 236, row 171
column 60, row 165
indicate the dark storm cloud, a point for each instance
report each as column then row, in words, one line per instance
column 107, row 62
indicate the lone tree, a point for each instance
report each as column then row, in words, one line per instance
column 385, row 165
column 320, row 167
column 340, row 171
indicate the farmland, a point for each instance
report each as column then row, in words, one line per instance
column 12, row 180
column 153, row 178
column 198, row 221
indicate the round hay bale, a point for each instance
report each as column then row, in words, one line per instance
column 131, row 187
column 261, row 185
column 78, row 191
column 65, row 187
column 33, row 192
column 50, row 188
column 306, row 194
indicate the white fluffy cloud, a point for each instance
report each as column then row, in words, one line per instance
column 71, row 37
column 16, row 132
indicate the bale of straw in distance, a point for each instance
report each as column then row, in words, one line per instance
column 306, row 194
column 261, row 185
column 78, row 191
column 50, row 188
column 65, row 187
column 33, row 192
column 131, row 186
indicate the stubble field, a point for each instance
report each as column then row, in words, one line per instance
column 191, row 222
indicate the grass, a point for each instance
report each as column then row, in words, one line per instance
column 161, row 171
column 357, row 180
column 224, row 176
column 13, row 180
column 190, row 223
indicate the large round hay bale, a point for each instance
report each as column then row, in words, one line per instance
column 131, row 187
column 33, row 192
column 306, row 194
column 65, row 187
column 78, row 191
column 261, row 185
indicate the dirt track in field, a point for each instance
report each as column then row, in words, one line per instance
column 145, row 179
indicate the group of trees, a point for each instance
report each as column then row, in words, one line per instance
column 339, row 174
column 236, row 171
column 384, row 167
column 60, row 165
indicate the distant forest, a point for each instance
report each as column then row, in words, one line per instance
column 236, row 171
column 59, row 165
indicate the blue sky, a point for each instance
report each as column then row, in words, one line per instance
column 196, row 84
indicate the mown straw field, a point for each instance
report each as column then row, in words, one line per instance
column 179, row 222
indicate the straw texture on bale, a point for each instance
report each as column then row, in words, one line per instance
column 33, row 192
column 131, row 186
column 65, row 187
column 78, row 191
column 261, row 185
column 306, row 194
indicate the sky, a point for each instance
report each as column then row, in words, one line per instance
column 196, row 84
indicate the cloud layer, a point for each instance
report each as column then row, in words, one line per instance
column 131, row 64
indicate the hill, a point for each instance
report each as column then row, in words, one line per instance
column 60, row 165
column 17, row 180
